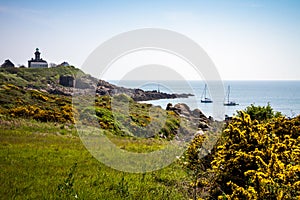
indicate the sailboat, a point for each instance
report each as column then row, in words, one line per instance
column 205, row 99
column 228, row 102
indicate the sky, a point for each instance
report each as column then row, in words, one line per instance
column 246, row 39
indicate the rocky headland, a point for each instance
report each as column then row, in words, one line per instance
column 106, row 88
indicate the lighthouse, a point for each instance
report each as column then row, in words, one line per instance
column 37, row 62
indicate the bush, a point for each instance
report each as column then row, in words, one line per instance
column 259, row 160
column 64, row 114
column 260, row 113
column 257, row 157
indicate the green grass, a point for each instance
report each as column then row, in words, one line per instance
column 37, row 77
column 48, row 161
column 139, row 145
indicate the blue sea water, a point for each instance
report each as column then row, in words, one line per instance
column 283, row 96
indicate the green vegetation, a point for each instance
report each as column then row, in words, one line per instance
column 254, row 159
column 260, row 113
column 117, row 119
column 123, row 116
column 18, row 102
column 48, row 161
column 37, row 77
column 42, row 156
column 257, row 155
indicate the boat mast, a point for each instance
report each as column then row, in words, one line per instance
column 228, row 93
column 205, row 91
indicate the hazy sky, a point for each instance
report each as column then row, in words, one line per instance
column 247, row 39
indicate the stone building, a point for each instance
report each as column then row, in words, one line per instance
column 66, row 80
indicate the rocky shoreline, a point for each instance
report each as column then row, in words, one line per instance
column 105, row 88
column 102, row 88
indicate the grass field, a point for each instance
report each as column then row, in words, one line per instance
column 45, row 159
column 49, row 161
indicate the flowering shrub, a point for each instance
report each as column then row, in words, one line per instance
column 259, row 160
column 28, row 103
column 64, row 114
column 254, row 159
column 39, row 96
column 194, row 164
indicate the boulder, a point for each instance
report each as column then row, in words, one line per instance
column 170, row 107
column 197, row 113
column 183, row 109
column 203, row 126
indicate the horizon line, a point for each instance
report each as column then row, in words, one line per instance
column 202, row 80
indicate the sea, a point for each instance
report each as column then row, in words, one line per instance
column 283, row 96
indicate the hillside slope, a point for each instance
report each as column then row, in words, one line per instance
column 38, row 94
